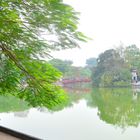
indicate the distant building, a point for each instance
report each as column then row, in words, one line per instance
column 134, row 76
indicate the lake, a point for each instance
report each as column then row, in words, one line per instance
column 99, row 114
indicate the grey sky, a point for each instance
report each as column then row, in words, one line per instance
column 107, row 22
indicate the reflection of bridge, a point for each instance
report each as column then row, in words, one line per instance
column 75, row 80
column 77, row 90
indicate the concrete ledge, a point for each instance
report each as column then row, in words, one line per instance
column 7, row 133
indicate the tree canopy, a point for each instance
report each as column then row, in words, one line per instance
column 62, row 65
column 70, row 71
column 29, row 30
column 91, row 62
column 114, row 66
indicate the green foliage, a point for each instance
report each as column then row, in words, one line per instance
column 91, row 62
column 114, row 66
column 106, row 80
column 29, row 30
column 62, row 65
column 85, row 72
column 78, row 72
column 65, row 66
column 132, row 57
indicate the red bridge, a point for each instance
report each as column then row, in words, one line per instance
column 75, row 80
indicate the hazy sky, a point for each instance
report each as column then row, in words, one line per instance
column 107, row 22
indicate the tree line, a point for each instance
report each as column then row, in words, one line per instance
column 114, row 66
column 68, row 70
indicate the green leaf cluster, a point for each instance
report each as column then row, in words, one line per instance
column 29, row 30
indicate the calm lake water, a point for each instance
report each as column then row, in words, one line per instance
column 91, row 114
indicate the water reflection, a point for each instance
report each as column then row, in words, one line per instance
column 117, row 106
column 21, row 114
column 12, row 104
column 135, row 91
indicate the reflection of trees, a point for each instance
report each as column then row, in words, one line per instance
column 117, row 107
column 75, row 92
column 12, row 104
column 22, row 113
column 120, row 107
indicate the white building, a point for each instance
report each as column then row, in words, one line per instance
column 134, row 76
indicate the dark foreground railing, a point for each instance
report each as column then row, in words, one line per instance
column 17, row 134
